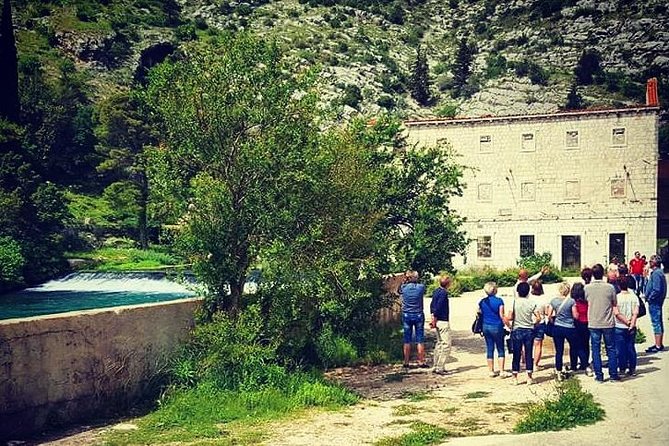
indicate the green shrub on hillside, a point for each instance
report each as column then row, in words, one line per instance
column 11, row 263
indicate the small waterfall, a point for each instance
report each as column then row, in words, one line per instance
column 142, row 282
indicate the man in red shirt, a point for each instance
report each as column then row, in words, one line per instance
column 636, row 269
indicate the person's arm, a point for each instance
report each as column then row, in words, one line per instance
column 574, row 311
column 652, row 287
column 635, row 314
column 534, row 278
column 433, row 308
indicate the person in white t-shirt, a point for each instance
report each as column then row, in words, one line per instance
column 626, row 312
column 542, row 303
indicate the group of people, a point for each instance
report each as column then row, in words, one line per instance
column 602, row 308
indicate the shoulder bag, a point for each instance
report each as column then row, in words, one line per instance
column 550, row 325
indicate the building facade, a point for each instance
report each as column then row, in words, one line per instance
column 581, row 185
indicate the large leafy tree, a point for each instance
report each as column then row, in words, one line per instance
column 239, row 127
column 125, row 134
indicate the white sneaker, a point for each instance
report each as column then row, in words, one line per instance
column 505, row 375
column 493, row 374
column 588, row 372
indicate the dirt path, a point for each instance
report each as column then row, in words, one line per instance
column 468, row 403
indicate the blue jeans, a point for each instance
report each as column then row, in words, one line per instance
column 655, row 311
column 522, row 337
column 625, row 349
column 559, row 335
column 411, row 322
column 608, row 334
column 582, row 341
column 494, row 337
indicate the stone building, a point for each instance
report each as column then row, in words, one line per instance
column 581, row 185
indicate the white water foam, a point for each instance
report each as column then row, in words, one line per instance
column 117, row 282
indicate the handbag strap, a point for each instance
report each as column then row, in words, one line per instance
column 564, row 301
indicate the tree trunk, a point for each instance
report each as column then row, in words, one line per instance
column 143, row 204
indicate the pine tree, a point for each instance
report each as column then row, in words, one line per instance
column 462, row 67
column 420, row 82
column 9, row 77
column 574, row 99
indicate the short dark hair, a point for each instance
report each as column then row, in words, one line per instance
column 586, row 274
column 622, row 283
column 598, row 271
column 537, row 288
column 578, row 292
column 523, row 289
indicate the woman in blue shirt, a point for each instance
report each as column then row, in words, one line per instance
column 491, row 308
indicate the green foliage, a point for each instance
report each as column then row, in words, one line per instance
column 386, row 101
column 639, row 336
column 574, row 99
column 447, row 111
column 462, row 68
column 116, row 258
column 333, row 350
column 197, row 413
column 419, row 82
column 496, row 66
column 240, row 131
column 422, row 434
column 573, row 407
column 12, row 263
column 532, row 70
column 536, row 261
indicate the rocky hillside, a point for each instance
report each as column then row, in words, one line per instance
column 523, row 52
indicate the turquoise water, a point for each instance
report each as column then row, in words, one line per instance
column 84, row 291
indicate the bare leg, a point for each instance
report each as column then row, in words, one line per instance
column 421, row 353
column 500, row 362
column 491, row 366
column 407, row 353
column 658, row 339
column 538, row 347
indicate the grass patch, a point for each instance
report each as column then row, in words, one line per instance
column 415, row 397
column 469, row 424
column 207, row 412
column 573, row 407
column 404, row 409
column 477, row 394
column 127, row 259
column 422, row 434
column 449, row 409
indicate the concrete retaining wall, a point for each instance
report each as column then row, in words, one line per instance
column 60, row 369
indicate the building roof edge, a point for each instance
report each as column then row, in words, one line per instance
column 589, row 112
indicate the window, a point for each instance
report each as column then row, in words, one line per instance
column 527, row 191
column 571, row 140
column 485, row 143
column 527, row 142
column 484, row 246
column 617, row 246
column 526, row 245
column 618, row 188
column 618, row 137
column 572, row 190
column 485, row 192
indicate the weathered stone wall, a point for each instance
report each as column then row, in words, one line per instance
column 591, row 183
column 59, row 369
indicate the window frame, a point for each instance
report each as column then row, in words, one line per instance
column 613, row 142
column 482, row 239
column 520, row 245
column 534, row 142
column 478, row 193
column 566, row 188
column 578, row 139
column 487, row 148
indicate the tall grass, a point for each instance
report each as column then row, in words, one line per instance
column 127, row 259
column 198, row 413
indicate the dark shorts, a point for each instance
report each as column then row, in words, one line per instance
column 411, row 322
column 539, row 331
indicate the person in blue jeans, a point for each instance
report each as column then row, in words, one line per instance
column 491, row 308
column 413, row 317
column 564, row 314
column 601, row 297
column 626, row 312
column 656, row 291
column 524, row 316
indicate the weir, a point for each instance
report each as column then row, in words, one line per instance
column 89, row 290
